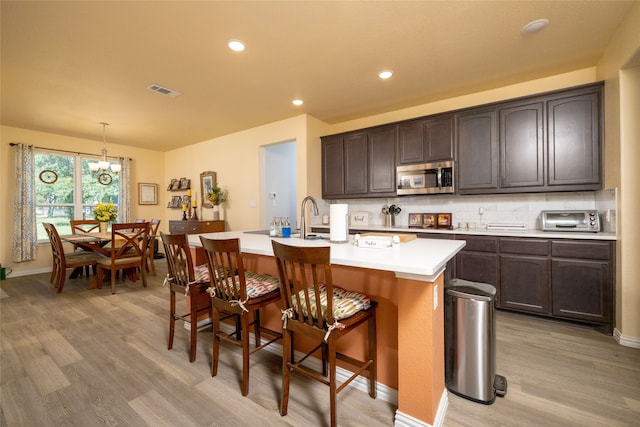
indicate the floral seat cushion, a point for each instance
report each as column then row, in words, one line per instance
column 201, row 273
column 345, row 303
column 257, row 284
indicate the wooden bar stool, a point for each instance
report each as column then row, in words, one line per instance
column 315, row 308
column 185, row 279
column 244, row 293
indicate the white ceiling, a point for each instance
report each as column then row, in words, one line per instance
column 69, row 65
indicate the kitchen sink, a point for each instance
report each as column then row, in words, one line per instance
column 263, row 232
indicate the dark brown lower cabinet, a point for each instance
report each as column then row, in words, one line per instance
column 478, row 261
column 565, row 279
column 582, row 281
column 524, row 283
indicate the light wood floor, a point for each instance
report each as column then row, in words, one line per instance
column 89, row 358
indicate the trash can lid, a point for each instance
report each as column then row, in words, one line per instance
column 472, row 288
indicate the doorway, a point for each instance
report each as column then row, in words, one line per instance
column 278, row 187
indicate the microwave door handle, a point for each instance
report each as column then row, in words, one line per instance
column 439, row 178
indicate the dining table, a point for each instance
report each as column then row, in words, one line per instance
column 98, row 243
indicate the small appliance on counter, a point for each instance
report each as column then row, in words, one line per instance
column 571, row 220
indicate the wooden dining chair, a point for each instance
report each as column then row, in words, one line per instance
column 62, row 261
column 128, row 247
column 313, row 307
column 149, row 264
column 234, row 290
column 185, row 279
column 84, row 226
column 79, row 226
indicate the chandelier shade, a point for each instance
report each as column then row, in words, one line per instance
column 101, row 168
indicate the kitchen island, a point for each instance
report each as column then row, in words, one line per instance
column 407, row 282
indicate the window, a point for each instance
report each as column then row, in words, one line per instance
column 69, row 192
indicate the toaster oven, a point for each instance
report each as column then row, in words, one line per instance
column 575, row 220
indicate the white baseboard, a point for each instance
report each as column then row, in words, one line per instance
column 404, row 420
column 626, row 341
column 28, row 272
column 384, row 392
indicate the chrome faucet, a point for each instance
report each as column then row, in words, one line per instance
column 303, row 225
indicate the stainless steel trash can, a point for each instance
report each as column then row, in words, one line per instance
column 470, row 341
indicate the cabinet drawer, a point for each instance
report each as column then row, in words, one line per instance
column 581, row 249
column 479, row 244
column 195, row 227
column 524, row 246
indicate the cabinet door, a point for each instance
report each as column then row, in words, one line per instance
column 356, row 166
column 332, row 167
column 522, row 146
column 477, row 267
column 581, row 290
column 438, row 139
column 410, row 143
column 574, row 140
column 477, row 139
column 524, row 283
column 425, row 140
column 382, row 161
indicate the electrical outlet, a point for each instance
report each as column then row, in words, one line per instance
column 435, row 297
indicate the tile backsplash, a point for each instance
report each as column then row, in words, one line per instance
column 496, row 208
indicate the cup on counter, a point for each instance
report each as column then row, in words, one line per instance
column 462, row 225
column 471, row 225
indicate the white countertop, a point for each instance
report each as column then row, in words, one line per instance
column 484, row 232
column 419, row 259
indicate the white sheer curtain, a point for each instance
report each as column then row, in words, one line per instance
column 124, row 214
column 24, row 211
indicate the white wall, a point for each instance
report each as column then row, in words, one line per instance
column 279, row 166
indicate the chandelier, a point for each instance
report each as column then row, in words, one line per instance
column 102, row 167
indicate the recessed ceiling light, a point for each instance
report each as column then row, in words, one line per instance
column 236, row 45
column 385, row 74
column 298, row 102
column 535, row 26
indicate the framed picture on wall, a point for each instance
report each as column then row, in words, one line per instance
column 147, row 193
column 207, row 182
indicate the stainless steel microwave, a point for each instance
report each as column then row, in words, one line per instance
column 426, row 178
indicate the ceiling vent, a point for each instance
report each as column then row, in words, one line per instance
column 163, row 90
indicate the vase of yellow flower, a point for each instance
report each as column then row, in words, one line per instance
column 217, row 196
column 105, row 213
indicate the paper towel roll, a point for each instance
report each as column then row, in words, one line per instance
column 339, row 220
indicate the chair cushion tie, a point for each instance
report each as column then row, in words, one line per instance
column 286, row 315
column 239, row 303
column 336, row 325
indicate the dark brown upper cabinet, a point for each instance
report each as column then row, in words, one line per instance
column 548, row 142
column 425, row 140
column 522, row 145
column 477, row 156
column 575, row 132
column 359, row 164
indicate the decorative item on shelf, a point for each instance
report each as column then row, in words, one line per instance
column 105, row 213
column 184, row 211
column 217, row 196
column 195, row 206
column 102, row 167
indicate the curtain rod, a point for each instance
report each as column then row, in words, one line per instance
column 65, row 151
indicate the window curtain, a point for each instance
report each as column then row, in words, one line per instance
column 24, row 211
column 125, row 190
